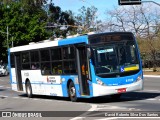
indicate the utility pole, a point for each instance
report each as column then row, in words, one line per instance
column 7, row 33
column 7, row 38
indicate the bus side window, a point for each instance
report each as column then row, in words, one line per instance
column 35, row 66
column 45, row 62
column 25, row 60
column 56, row 57
column 34, row 60
column 46, row 69
column 69, row 67
column 57, row 68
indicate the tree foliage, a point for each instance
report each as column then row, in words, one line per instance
column 143, row 21
column 25, row 23
column 36, row 20
column 87, row 18
column 57, row 19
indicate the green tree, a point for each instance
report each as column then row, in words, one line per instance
column 25, row 24
column 87, row 18
column 57, row 19
column 27, row 21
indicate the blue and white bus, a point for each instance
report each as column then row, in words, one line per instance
column 78, row 67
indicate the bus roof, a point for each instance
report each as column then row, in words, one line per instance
column 67, row 41
column 49, row 43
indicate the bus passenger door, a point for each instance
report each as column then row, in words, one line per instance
column 18, row 72
column 82, row 68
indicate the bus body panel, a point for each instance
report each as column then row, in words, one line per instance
column 65, row 79
column 42, row 85
column 46, row 85
column 111, row 85
column 13, row 79
column 57, row 85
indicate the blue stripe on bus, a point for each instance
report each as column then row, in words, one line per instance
column 75, row 40
column 37, row 83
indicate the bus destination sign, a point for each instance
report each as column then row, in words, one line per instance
column 104, row 39
column 109, row 38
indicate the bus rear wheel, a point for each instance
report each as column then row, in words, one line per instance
column 72, row 92
column 29, row 89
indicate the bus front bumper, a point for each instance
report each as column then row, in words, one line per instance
column 99, row 90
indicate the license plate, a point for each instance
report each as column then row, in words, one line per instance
column 122, row 90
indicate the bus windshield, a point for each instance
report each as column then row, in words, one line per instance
column 115, row 58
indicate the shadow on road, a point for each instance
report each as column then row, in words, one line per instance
column 47, row 97
column 132, row 96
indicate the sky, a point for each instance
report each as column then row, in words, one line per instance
column 75, row 5
column 102, row 5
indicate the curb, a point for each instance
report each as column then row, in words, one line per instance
column 155, row 76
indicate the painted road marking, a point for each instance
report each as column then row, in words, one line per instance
column 3, row 96
column 150, row 90
column 93, row 108
column 154, row 76
column 97, row 107
column 48, row 100
column 24, row 98
column 151, row 99
column 16, row 97
column 5, row 87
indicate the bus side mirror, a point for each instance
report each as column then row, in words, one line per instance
column 89, row 53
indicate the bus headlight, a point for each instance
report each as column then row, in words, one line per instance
column 99, row 82
column 139, row 78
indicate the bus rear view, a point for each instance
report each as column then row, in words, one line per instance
column 115, row 64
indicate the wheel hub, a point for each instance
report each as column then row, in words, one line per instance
column 72, row 92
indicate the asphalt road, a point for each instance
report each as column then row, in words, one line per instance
column 146, row 100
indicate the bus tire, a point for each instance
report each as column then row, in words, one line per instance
column 72, row 92
column 116, row 96
column 29, row 89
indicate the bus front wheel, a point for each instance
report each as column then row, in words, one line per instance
column 29, row 89
column 72, row 92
